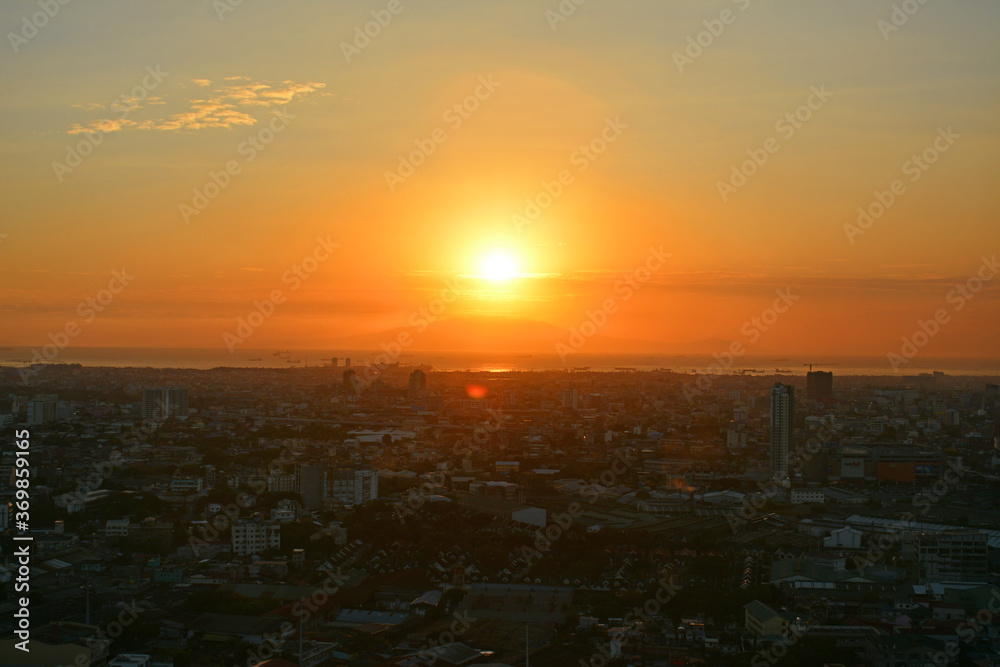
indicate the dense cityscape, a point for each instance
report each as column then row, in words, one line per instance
column 507, row 333
column 335, row 516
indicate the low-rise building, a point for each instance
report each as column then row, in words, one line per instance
column 186, row 484
column 803, row 496
column 253, row 536
column 762, row 621
column 116, row 527
column 843, row 538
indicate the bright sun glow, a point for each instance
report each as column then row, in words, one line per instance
column 499, row 266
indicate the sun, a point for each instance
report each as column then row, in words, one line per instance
column 499, row 266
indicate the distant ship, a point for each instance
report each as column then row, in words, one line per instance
column 295, row 361
column 782, row 370
column 581, row 368
column 256, row 359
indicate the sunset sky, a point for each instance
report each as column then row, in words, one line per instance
column 673, row 129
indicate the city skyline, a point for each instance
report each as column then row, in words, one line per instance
column 499, row 333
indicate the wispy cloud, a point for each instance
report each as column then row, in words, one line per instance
column 105, row 125
column 228, row 105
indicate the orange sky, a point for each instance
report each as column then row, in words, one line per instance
column 609, row 74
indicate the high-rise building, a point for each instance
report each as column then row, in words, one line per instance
column 819, row 385
column 350, row 384
column 418, row 384
column 310, row 484
column 570, row 398
column 782, row 430
column 42, row 409
column 177, row 403
column 279, row 483
column 354, row 485
column 162, row 404
column 953, row 556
